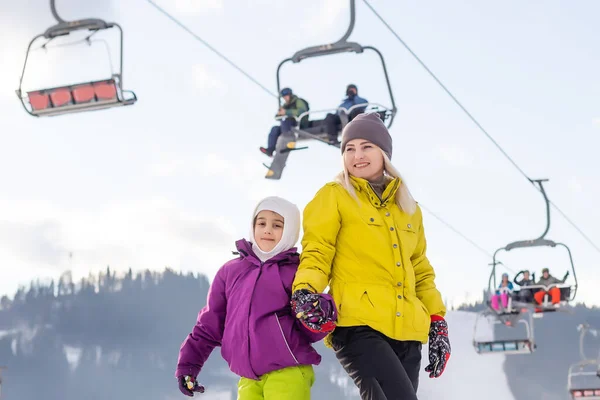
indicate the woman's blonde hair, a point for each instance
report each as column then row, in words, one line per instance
column 404, row 198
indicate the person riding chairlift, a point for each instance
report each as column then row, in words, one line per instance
column 502, row 294
column 333, row 121
column 553, row 292
column 525, row 295
column 294, row 107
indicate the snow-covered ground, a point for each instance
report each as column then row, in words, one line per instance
column 468, row 375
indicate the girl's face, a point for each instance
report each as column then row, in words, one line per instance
column 363, row 159
column 268, row 230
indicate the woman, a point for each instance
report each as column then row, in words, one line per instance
column 505, row 289
column 363, row 236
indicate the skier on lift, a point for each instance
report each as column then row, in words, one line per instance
column 294, row 106
column 502, row 294
column 554, row 292
column 525, row 295
column 333, row 122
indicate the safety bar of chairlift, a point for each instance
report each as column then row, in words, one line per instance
column 547, row 288
column 334, row 110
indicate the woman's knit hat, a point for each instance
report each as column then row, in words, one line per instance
column 369, row 127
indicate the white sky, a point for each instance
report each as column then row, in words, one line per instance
column 171, row 180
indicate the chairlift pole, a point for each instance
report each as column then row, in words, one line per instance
column 541, row 186
column 493, row 274
column 351, row 25
column 55, row 14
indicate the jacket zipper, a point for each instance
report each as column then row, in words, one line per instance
column 284, row 339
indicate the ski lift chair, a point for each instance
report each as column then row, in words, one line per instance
column 587, row 392
column 507, row 346
column 84, row 96
column 567, row 292
column 287, row 143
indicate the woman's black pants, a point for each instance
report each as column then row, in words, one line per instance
column 382, row 368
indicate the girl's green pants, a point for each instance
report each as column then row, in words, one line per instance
column 292, row 383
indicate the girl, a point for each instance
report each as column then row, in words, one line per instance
column 363, row 236
column 248, row 314
column 504, row 291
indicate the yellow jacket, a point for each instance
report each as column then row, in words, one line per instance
column 373, row 258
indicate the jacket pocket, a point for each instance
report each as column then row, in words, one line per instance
column 367, row 303
column 284, row 339
column 421, row 317
column 372, row 219
column 408, row 238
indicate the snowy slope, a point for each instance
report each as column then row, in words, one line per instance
column 468, row 375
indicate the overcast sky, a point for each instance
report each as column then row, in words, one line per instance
column 171, row 181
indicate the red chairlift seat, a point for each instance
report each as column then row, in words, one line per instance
column 591, row 394
column 81, row 97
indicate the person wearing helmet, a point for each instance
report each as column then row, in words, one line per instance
column 502, row 294
column 333, row 122
column 293, row 107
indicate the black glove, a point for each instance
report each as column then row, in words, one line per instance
column 188, row 385
column 439, row 347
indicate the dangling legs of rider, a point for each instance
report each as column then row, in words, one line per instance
column 554, row 294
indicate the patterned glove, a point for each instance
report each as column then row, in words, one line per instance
column 316, row 313
column 439, row 347
column 188, row 385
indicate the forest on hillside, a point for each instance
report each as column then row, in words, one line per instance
column 116, row 337
column 108, row 337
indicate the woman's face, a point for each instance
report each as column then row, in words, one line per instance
column 363, row 159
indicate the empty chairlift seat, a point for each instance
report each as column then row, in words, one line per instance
column 105, row 90
column 80, row 97
column 591, row 394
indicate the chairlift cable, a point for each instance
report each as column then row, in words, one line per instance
column 214, row 50
column 477, row 122
column 478, row 247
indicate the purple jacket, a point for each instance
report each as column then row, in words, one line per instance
column 248, row 314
